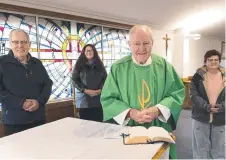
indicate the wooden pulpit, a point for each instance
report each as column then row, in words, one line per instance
column 187, row 101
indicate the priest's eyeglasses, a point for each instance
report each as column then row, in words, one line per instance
column 20, row 42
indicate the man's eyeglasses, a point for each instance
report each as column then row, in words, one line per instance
column 20, row 42
column 213, row 60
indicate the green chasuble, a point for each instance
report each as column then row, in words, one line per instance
column 129, row 85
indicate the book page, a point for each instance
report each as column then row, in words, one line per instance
column 159, row 134
column 137, row 135
column 138, row 131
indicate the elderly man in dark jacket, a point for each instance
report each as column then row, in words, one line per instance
column 25, row 86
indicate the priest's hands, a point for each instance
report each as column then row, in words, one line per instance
column 30, row 105
column 138, row 116
column 144, row 116
column 152, row 112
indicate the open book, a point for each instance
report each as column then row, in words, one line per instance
column 141, row 135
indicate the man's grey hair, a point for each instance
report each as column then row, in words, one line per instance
column 145, row 28
column 18, row 30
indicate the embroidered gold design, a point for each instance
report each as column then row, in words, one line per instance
column 142, row 99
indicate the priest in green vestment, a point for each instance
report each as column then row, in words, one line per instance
column 143, row 89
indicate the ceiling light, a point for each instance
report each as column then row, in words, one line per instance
column 201, row 20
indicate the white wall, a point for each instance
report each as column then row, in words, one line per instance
column 177, row 52
column 175, row 48
column 159, row 47
column 187, row 55
column 197, row 50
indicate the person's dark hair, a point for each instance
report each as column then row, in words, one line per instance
column 212, row 53
column 82, row 60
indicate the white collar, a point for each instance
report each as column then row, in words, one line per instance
column 148, row 62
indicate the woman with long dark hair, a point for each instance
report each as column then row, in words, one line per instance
column 88, row 77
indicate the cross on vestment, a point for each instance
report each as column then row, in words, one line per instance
column 166, row 38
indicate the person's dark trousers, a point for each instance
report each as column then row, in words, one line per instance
column 93, row 114
column 14, row 128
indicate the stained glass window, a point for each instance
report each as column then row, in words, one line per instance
column 14, row 21
column 61, row 43
column 60, row 73
column 90, row 34
column 54, row 38
column 115, row 45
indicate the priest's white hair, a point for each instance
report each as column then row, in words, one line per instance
column 145, row 28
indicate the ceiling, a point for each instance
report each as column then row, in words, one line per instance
column 160, row 14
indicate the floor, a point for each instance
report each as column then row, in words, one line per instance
column 184, row 135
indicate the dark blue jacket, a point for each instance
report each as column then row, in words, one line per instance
column 18, row 83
